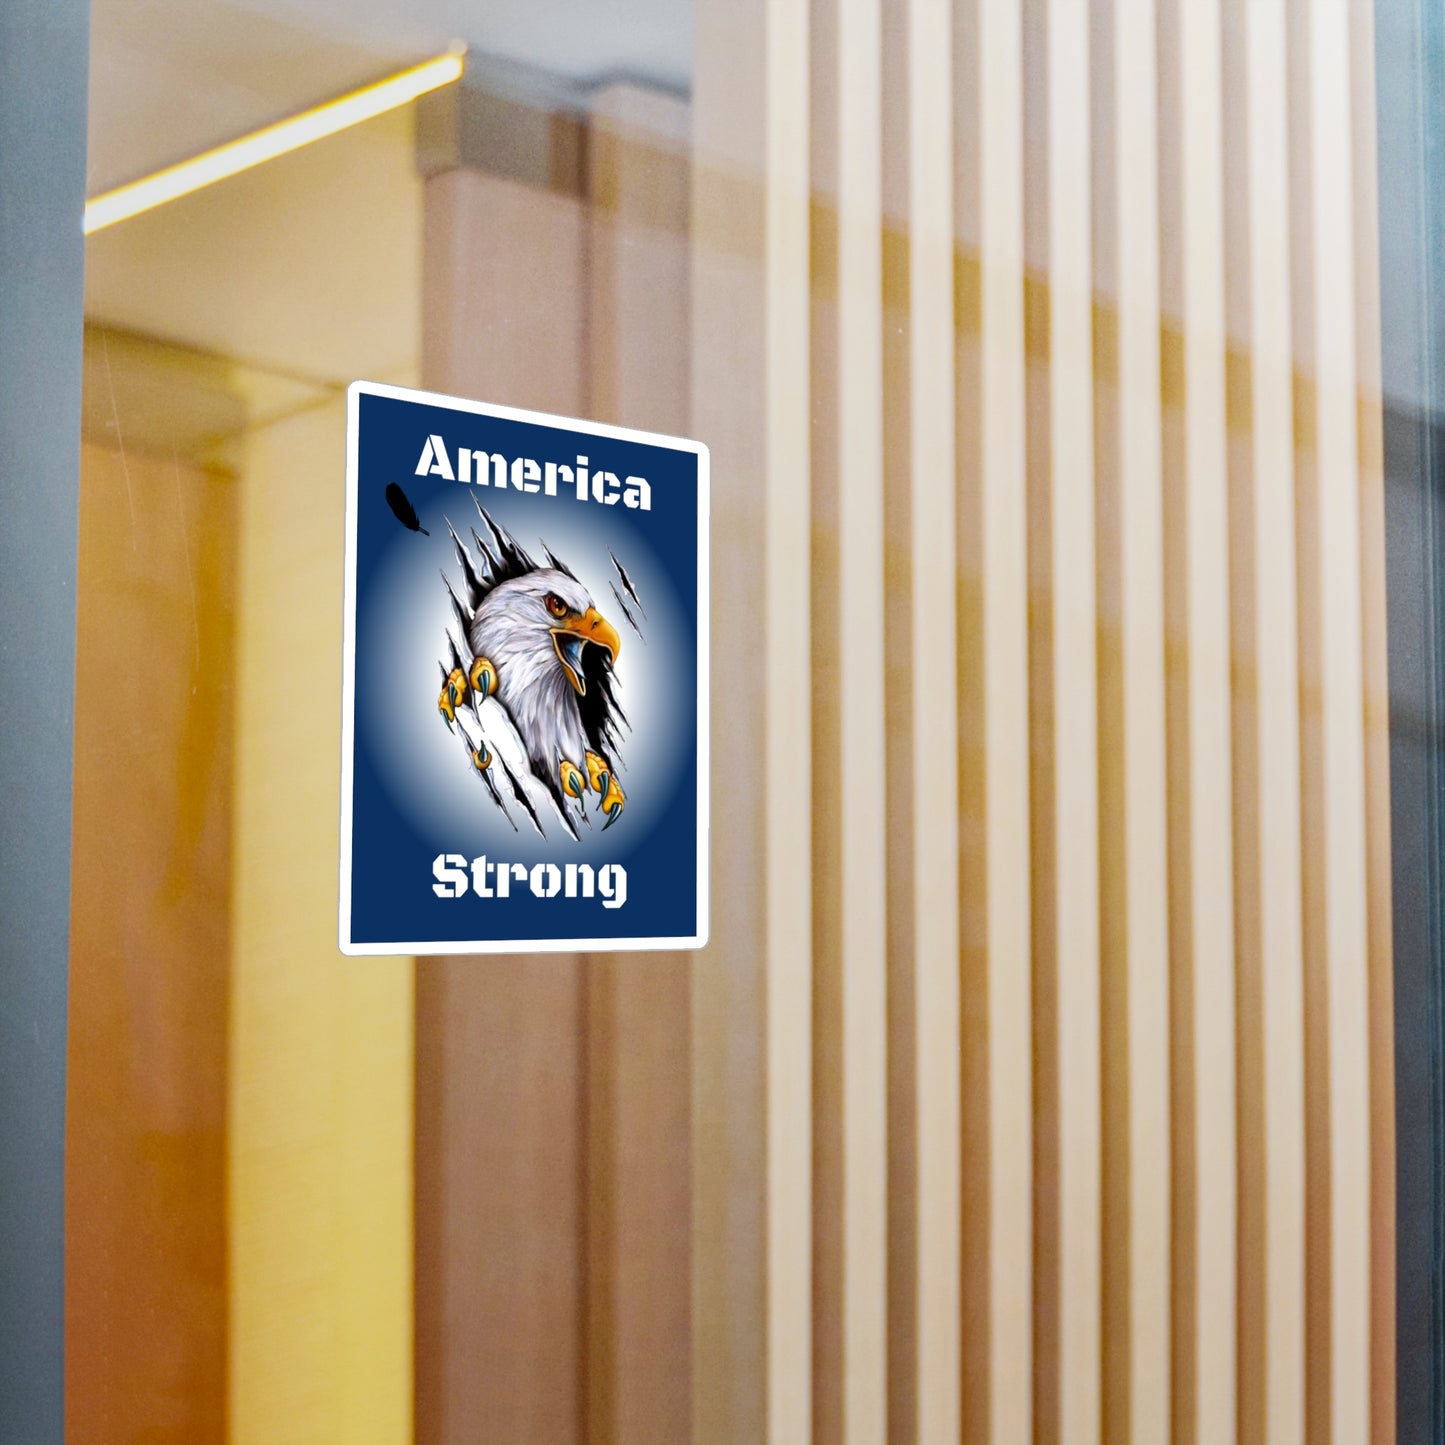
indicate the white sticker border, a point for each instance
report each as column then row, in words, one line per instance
column 348, row 946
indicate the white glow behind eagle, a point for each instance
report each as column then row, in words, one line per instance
column 406, row 611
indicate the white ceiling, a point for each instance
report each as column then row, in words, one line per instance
column 305, row 271
column 585, row 39
column 308, row 267
column 171, row 77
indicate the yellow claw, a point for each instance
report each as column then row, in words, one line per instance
column 481, row 759
column 454, row 689
column 595, row 769
column 603, row 781
column 483, row 678
column 573, row 783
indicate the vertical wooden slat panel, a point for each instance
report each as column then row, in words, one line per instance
column 1165, row 1293
column 901, row 760
column 789, row 935
column 1064, row 725
column 1047, row 1137
column 738, row 1394
column 993, row 728
column 637, row 1073
column 935, row 741
column 1266, row 735
column 921, row 708
column 752, row 1030
column 1336, row 927
column 1377, row 726
column 859, row 622
column 850, row 1165
column 829, row 1364
column 1133, row 894
column 1197, row 623
column 1317, row 1095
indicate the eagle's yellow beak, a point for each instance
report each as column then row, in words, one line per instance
column 569, row 636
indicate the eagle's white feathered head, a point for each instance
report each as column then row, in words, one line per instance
column 536, row 629
column 552, row 650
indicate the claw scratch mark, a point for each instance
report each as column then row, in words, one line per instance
column 186, row 544
column 627, row 583
column 556, row 563
column 484, row 774
column 522, row 797
column 626, row 610
column 497, row 797
column 119, row 435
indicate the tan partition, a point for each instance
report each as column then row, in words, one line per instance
column 554, row 1094
column 320, row 1106
column 500, row 1139
column 297, row 1214
column 499, row 1318
column 639, row 281
column 752, row 994
column 638, row 1077
column 146, row 1328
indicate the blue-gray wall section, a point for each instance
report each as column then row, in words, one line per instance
column 44, row 45
column 1410, row 76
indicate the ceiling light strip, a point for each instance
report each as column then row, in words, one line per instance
column 287, row 135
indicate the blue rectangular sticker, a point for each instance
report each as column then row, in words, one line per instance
column 525, row 691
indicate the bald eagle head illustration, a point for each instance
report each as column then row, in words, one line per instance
column 533, row 642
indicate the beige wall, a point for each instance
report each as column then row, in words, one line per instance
column 242, row 1089
column 319, row 1117
column 145, row 1264
column 553, row 1106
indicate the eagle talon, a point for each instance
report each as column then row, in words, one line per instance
column 481, row 758
column 483, row 678
column 573, row 783
column 611, row 797
column 454, row 689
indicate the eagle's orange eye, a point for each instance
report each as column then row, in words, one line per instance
column 555, row 605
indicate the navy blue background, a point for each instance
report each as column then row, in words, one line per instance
column 392, row 901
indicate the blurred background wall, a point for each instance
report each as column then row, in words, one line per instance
column 239, row 1170
column 1037, row 1081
